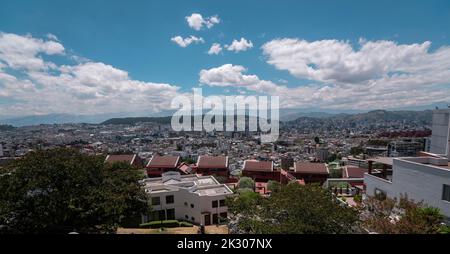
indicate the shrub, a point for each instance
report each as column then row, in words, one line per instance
column 186, row 224
column 159, row 224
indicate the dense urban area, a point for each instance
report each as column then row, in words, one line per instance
column 197, row 181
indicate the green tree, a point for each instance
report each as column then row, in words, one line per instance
column 357, row 150
column 317, row 140
column 273, row 186
column 336, row 172
column 246, row 183
column 188, row 160
column 295, row 209
column 61, row 190
column 403, row 216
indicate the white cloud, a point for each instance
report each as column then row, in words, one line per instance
column 24, row 52
column 52, row 37
column 389, row 92
column 85, row 88
column 196, row 21
column 233, row 76
column 241, row 45
column 337, row 62
column 215, row 49
column 184, row 42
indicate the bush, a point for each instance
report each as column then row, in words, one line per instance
column 246, row 183
column 186, row 224
column 160, row 224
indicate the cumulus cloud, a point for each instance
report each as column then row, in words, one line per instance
column 87, row 87
column 338, row 62
column 24, row 52
column 215, row 49
column 241, row 45
column 184, row 42
column 398, row 90
column 196, row 21
column 233, row 76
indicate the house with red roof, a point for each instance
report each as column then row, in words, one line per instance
column 131, row 159
column 260, row 171
column 161, row 164
column 311, row 172
column 212, row 165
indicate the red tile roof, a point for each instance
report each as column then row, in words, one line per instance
column 163, row 161
column 212, row 162
column 127, row 158
column 310, row 168
column 354, row 172
column 252, row 165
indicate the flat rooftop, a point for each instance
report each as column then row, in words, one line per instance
column 441, row 162
column 173, row 181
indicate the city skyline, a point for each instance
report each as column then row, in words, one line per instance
column 106, row 57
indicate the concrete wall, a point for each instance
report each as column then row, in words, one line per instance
column 420, row 182
column 201, row 204
column 440, row 131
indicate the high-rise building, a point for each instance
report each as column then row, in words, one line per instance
column 440, row 136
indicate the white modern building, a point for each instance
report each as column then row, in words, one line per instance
column 424, row 178
column 193, row 198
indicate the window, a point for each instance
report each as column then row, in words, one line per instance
column 223, row 217
column 214, row 204
column 170, row 214
column 154, row 216
column 186, row 217
column 156, row 201
column 161, row 215
column 170, row 199
column 192, row 218
column 222, row 203
column 446, row 193
column 192, row 205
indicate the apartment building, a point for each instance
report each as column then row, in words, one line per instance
column 405, row 148
column 422, row 178
column 197, row 199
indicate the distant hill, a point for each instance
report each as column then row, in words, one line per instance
column 135, row 120
column 372, row 118
column 424, row 117
column 5, row 127
column 54, row 119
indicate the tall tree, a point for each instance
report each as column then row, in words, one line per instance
column 294, row 209
column 61, row 190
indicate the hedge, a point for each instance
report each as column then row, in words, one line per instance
column 161, row 224
column 186, row 224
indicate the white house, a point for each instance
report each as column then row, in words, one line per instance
column 193, row 198
column 425, row 178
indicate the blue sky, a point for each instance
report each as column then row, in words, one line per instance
column 135, row 37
